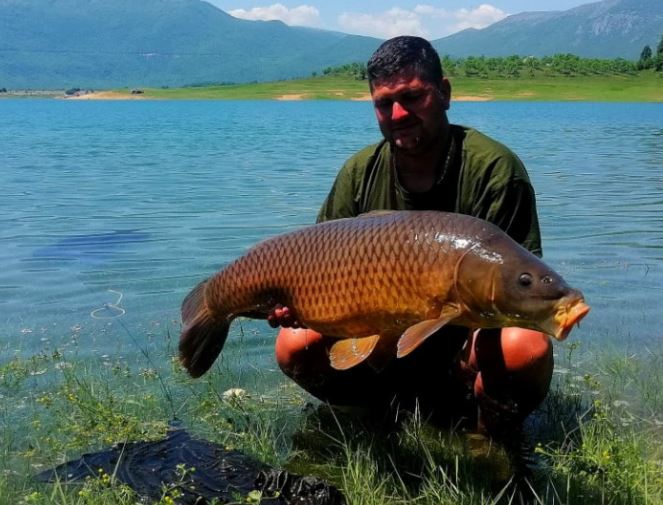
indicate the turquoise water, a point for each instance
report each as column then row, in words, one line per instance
column 111, row 211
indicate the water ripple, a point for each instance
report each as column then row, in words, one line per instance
column 206, row 180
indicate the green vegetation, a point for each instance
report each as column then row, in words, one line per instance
column 355, row 70
column 590, row 442
column 559, row 77
column 314, row 88
column 650, row 60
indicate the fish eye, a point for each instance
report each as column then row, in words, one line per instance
column 525, row 280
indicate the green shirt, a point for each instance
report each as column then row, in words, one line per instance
column 479, row 177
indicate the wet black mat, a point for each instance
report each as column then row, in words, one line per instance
column 151, row 467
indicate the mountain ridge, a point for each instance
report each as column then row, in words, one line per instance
column 55, row 44
column 605, row 29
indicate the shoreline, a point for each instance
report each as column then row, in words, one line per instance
column 106, row 95
column 288, row 97
column 639, row 89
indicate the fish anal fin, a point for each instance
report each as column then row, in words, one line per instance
column 416, row 334
column 349, row 352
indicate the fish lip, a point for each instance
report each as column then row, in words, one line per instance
column 567, row 316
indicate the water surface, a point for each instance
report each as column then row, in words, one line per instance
column 111, row 211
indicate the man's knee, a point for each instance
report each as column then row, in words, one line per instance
column 303, row 356
column 527, row 352
column 517, row 367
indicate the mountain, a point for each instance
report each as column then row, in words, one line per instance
column 55, row 44
column 114, row 43
column 607, row 29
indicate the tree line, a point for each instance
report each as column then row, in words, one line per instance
column 529, row 66
column 650, row 60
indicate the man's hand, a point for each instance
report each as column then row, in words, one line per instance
column 282, row 316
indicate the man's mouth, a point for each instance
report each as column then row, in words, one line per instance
column 404, row 128
column 406, row 136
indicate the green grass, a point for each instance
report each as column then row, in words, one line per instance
column 641, row 87
column 313, row 88
column 597, row 439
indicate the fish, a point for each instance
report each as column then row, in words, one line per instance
column 381, row 284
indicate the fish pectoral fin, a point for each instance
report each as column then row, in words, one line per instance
column 415, row 335
column 346, row 353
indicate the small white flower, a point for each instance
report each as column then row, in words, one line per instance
column 235, row 394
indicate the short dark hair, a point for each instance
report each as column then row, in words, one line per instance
column 403, row 53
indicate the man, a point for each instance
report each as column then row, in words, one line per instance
column 426, row 163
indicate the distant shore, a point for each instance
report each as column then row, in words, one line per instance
column 643, row 87
column 120, row 95
column 107, row 95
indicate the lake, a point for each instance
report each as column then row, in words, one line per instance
column 110, row 212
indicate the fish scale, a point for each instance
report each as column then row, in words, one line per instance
column 374, row 278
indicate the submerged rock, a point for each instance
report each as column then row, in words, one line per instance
column 199, row 471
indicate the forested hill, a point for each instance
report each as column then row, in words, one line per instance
column 115, row 43
column 607, row 29
column 107, row 43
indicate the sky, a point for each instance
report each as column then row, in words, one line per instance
column 432, row 19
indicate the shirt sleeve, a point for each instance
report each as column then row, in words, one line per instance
column 508, row 201
column 340, row 201
column 344, row 198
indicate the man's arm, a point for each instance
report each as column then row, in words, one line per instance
column 513, row 208
column 495, row 186
column 340, row 201
column 344, row 198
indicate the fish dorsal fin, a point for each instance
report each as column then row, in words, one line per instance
column 415, row 335
column 349, row 352
column 377, row 213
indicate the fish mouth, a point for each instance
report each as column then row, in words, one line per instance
column 567, row 316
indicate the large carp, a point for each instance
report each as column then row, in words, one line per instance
column 381, row 283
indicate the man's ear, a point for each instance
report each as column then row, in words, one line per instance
column 445, row 88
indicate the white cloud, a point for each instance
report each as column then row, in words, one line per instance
column 303, row 15
column 424, row 20
column 388, row 24
column 479, row 17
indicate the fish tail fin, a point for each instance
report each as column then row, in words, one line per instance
column 202, row 336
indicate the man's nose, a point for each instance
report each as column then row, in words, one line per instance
column 398, row 112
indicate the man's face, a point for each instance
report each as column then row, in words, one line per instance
column 411, row 112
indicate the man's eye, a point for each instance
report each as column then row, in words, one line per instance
column 383, row 104
column 411, row 98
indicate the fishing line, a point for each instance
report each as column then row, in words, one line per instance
column 164, row 388
column 113, row 309
column 116, row 312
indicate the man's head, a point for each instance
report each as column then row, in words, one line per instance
column 410, row 94
column 405, row 54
